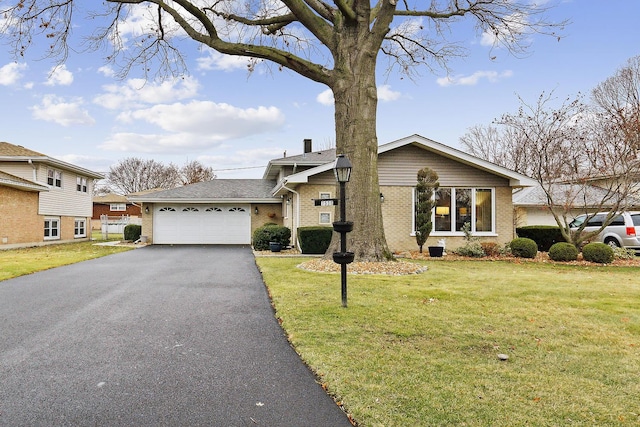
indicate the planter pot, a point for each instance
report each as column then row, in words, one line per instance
column 343, row 226
column 343, row 257
column 275, row 246
column 435, row 251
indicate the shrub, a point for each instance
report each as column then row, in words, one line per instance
column 544, row 235
column 523, row 247
column 491, row 248
column 563, row 251
column 473, row 249
column 270, row 233
column 598, row 252
column 623, row 253
column 314, row 240
column 132, row 232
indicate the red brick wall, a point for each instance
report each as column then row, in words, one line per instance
column 103, row 209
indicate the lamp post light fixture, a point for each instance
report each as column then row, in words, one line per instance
column 342, row 171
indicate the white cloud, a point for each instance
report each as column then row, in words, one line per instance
column 206, row 118
column 138, row 92
column 106, row 71
column 195, row 125
column 473, row 79
column 512, row 27
column 384, row 94
column 57, row 110
column 325, row 97
column 11, row 73
column 59, row 76
column 217, row 61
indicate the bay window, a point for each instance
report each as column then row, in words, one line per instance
column 456, row 207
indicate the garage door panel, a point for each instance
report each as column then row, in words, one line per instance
column 202, row 224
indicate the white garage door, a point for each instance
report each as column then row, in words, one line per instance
column 189, row 224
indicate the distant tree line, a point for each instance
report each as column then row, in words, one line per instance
column 132, row 174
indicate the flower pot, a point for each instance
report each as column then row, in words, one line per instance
column 275, row 246
column 435, row 251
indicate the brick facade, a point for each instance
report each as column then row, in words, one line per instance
column 19, row 219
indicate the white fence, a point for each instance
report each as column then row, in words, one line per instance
column 116, row 224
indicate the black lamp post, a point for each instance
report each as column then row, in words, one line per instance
column 342, row 171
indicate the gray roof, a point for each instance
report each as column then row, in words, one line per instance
column 314, row 158
column 256, row 190
column 572, row 194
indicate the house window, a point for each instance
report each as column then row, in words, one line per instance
column 457, row 206
column 80, row 227
column 325, row 218
column 118, row 207
column 81, row 184
column 51, row 228
column 54, row 178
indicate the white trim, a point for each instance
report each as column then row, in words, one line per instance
column 84, row 227
column 58, row 228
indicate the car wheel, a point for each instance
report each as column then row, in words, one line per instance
column 612, row 242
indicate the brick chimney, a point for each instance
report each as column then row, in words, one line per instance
column 307, row 146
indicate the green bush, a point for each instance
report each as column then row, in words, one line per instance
column 314, row 240
column 598, row 252
column 523, row 247
column 132, row 232
column 563, row 251
column 544, row 235
column 270, row 233
column 473, row 250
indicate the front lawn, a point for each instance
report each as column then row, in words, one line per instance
column 17, row 262
column 422, row 350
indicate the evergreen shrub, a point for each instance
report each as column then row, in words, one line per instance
column 523, row 247
column 314, row 240
column 271, row 233
column 600, row 253
column 544, row 235
column 132, row 232
column 563, row 251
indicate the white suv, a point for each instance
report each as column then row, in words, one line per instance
column 624, row 230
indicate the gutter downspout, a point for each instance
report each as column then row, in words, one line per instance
column 296, row 217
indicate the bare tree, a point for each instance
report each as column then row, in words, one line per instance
column 574, row 152
column 194, row 171
column 132, row 174
column 333, row 43
column 618, row 98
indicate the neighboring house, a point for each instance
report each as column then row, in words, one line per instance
column 228, row 210
column 531, row 206
column 114, row 206
column 42, row 199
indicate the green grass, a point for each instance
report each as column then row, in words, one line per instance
column 17, row 262
column 421, row 350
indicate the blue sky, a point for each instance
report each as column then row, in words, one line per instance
column 235, row 123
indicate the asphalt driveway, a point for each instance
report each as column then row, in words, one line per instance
column 158, row 336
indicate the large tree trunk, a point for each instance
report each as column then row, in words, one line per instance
column 356, row 101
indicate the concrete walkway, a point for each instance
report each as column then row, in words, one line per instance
column 159, row 336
